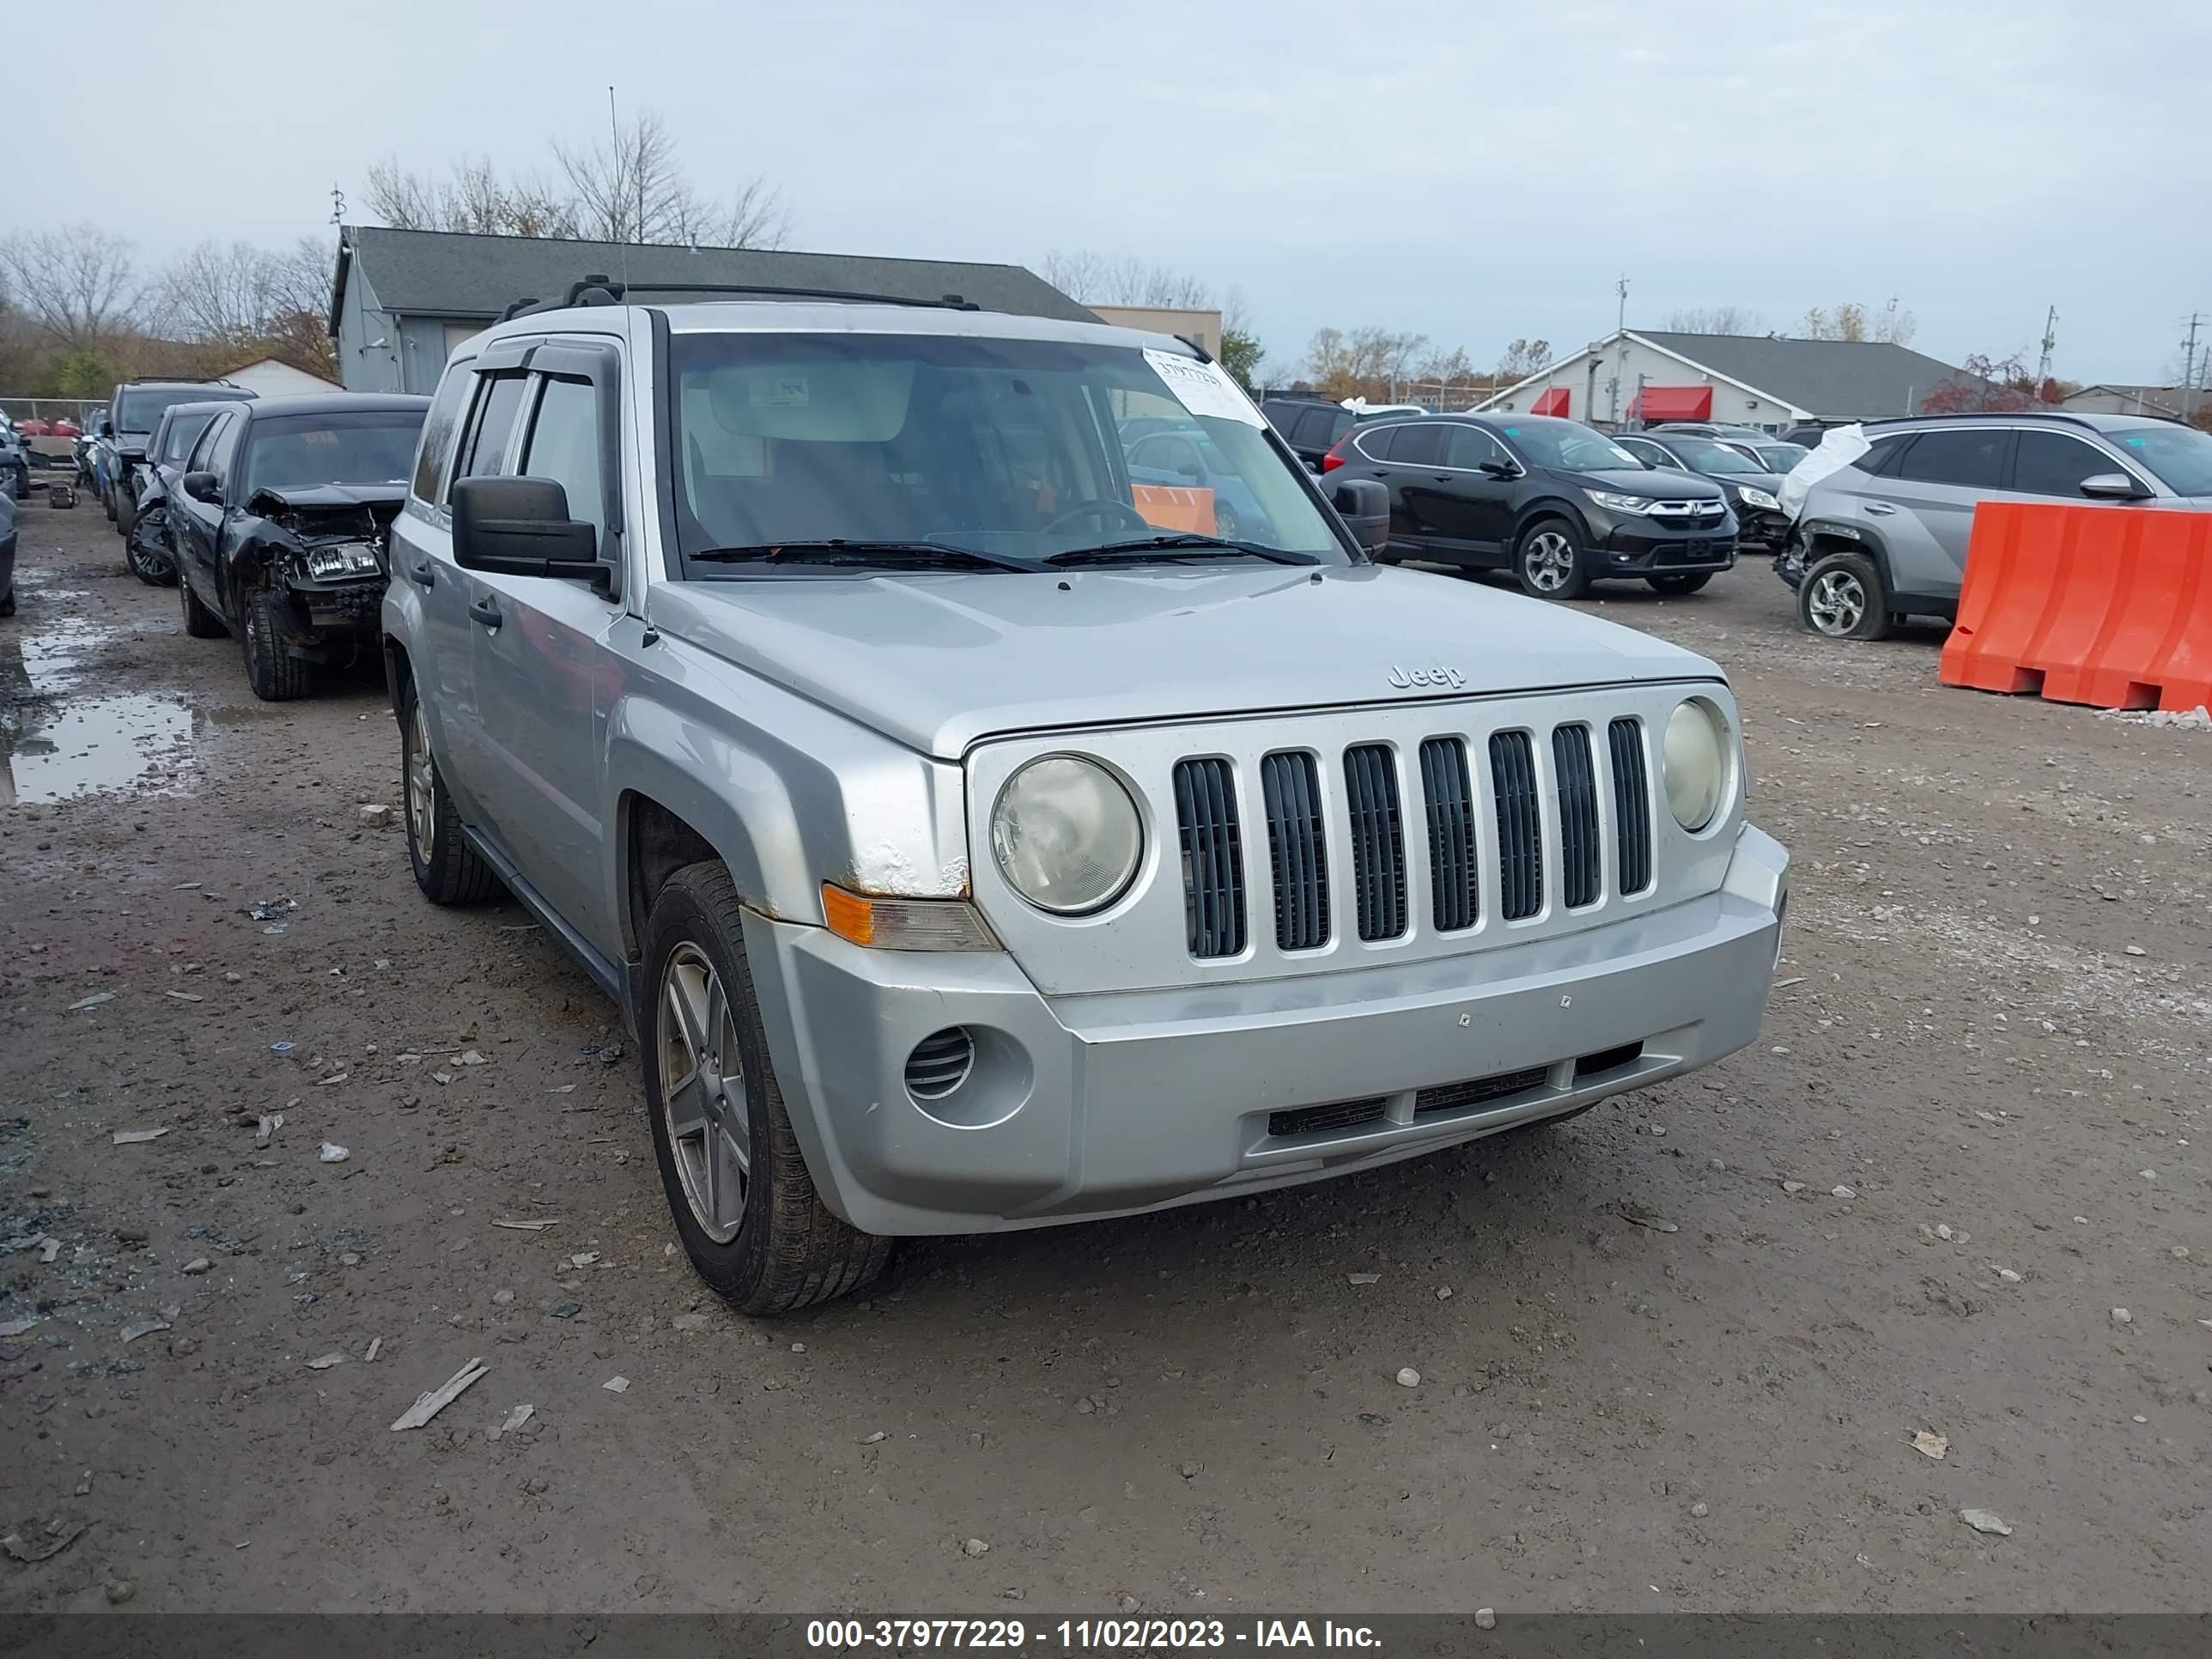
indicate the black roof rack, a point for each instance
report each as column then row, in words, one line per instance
column 2066, row 417
column 595, row 291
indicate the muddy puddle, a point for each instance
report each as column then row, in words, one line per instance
column 61, row 736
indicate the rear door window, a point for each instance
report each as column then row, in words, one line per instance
column 1470, row 447
column 438, row 433
column 484, row 445
column 1316, row 428
column 1416, row 446
column 1971, row 459
column 2053, row 464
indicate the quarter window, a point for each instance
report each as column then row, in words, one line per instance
column 564, row 447
column 2052, row 464
column 1972, row 460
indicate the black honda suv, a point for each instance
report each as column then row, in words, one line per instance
column 1557, row 502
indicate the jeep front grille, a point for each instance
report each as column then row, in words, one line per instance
column 1632, row 804
column 1378, row 843
column 1520, row 834
column 1591, row 807
column 1213, row 856
column 1298, row 849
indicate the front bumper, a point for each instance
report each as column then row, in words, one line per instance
column 1083, row 1107
column 1638, row 548
column 1759, row 531
column 332, row 621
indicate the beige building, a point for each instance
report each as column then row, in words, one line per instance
column 1203, row 327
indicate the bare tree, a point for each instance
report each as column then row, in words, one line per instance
column 1715, row 320
column 1894, row 325
column 1367, row 362
column 1093, row 278
column 629, row 187
column 78, row 285
column 1523, row 358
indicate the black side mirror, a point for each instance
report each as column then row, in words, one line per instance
column 1364, row 504
column 520, row 527
column 1494, row 468
column 204, row 486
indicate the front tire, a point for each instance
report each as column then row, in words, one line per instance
column 126, row 509
column 1842, row 596
column 1550, row 562
column 1687, row 583
column 275, row 674
column 745, row 1204
column 446, row 868
column 143, row 552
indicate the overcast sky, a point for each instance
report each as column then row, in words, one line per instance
column 1468, row 169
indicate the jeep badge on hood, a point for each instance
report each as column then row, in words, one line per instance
column 1441, row 678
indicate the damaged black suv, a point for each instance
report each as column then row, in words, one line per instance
column 280, row 524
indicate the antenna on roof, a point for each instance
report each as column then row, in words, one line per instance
column 614, row 161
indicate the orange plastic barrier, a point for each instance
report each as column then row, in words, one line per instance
column 2110, row 605
column 1171, row 507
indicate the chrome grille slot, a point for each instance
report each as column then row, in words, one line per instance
column 1297, row 848
column 1378, row 842
column 1448, row 798
column 1581, row 863
column 1631, row 804
column 1213, row 857
column 1520, row 836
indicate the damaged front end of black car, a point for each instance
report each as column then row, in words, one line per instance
column 313, row 578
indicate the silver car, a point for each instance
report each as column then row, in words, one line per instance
column 1885, row 537
column 972, row 836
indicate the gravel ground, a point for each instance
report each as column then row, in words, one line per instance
column 1969, row 1137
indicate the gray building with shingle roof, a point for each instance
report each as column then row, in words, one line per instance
column 1649, row 375
column 402, row 299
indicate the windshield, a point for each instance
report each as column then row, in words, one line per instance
column 1569, row 446
column 1780, row 457
column 1024, row 449
column 2180, row 455
column 184, row 432
column 140, row 410
column 1704, row 455
column 297, row 452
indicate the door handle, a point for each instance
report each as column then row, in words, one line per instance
column 424, row 575
column 1880, row 509
column 486, row 612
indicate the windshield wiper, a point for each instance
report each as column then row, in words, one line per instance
column 1183, row 545
column 889, row 556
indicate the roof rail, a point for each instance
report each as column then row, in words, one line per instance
column 2071, row 417
column 596, row 290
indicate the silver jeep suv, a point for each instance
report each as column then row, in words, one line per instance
column 1885, row 538
column 975, row 839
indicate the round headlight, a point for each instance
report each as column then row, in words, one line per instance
column 1695, row 763
column 1066, row 834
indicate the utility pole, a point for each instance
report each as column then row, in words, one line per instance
column 338, row 205
column 2049, row 340
column 1621, row 288
column 2189, row 367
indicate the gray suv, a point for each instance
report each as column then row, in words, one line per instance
column 973, row 838
column 1885, row 538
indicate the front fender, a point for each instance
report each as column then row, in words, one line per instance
column 788, row 793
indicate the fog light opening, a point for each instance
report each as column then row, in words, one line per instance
column 941, row 1063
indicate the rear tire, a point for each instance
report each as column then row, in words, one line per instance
column 446, row 868
column 275, row 674
column 200, row 622
column 745, row 1204
column 1550, row 562
column 1689, row 583
column 1842, row 596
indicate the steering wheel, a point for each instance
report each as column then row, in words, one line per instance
column 1128, row 514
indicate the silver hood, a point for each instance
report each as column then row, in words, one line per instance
column 938, row 661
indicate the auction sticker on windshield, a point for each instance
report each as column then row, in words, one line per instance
column 1204, row 389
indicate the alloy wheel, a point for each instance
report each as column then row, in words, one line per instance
column 1549, row 561
column 704, row 1103
column 1836, row 603
column 421, row 787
